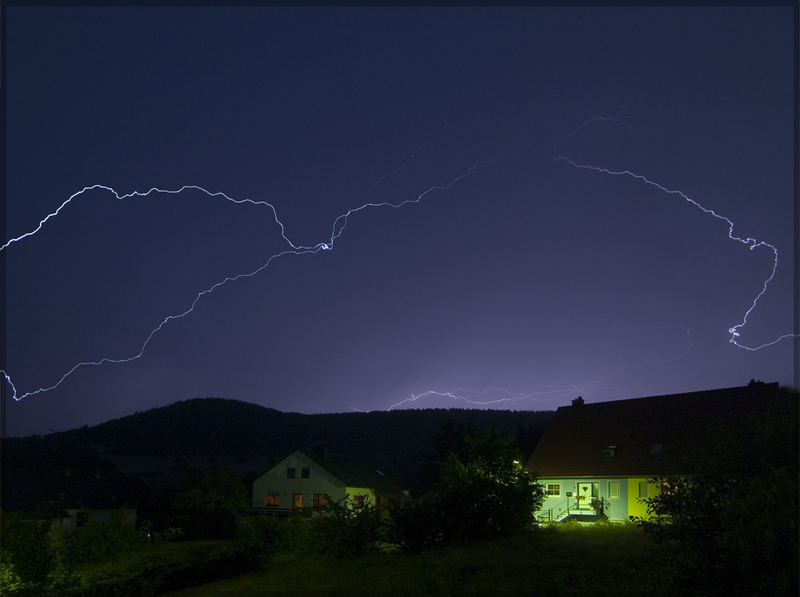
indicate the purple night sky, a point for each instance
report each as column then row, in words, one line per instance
column 528, row 280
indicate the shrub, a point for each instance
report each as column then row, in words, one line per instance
column 34, row 557
column 96, row 540
column 258, row 538
column 483, row 491
column 347, row 529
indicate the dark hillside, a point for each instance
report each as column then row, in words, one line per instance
column 158, row 446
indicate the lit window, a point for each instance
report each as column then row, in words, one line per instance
column 320, row 500
column 358, row 500
column 297, row 500
column 613, row 490
column 642, row 489
column 304, row 473
column 273, row 500
column 290, row 472
column 553, row 489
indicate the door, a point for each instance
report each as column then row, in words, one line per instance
column 584, row 496
column 297, row 500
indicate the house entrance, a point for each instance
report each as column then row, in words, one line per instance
column 585, row 495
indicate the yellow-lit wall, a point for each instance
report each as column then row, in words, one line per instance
column 636, row 507
column 369, row 495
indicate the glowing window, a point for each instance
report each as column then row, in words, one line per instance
column 273, row 500
column 613, row 490
column 553, row 489
column 290, row 472
column 304, row 473
column 358, row 500
column 297, row 500
column 320, row 500
column 642, row 489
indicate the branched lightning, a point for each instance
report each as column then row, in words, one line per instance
column 749, row 242
column 337, row 228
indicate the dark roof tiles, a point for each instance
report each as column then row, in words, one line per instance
column 633, row 437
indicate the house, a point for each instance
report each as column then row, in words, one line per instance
column 76, row 518
column 305, row 480
column 594, row 460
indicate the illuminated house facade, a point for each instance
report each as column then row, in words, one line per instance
column 308, row 480
column 594, row 460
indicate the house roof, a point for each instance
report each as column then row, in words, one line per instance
column 352, row 472
column 355, row 472
column 636, row 437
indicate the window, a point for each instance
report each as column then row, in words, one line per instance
column 358, row 500
column 290, row 472
column 642, row 489
column 320, row 500
column 273, row 500
column 304, row 473
column 613, row 490
column 553, row 489
column 297, row 500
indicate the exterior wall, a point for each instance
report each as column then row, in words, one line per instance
column 616, row 509
column 275, row 481
column 369, row 494
column 636, row 507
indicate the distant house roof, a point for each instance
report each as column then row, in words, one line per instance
column 634, row 437
column 352, row 472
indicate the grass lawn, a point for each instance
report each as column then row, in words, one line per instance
column 148, row 563
column 568, row 558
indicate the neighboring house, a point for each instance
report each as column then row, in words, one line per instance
column 77, row 518
column 594, row 460
column 313, row 479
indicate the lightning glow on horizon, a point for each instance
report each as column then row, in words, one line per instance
column 337, row 228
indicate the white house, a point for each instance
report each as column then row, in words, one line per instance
column 300, row 481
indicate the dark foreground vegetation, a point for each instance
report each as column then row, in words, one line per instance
column 727, row 527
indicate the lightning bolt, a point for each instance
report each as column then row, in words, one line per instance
column 617, row 118
column 337, row 228
column 749, row 242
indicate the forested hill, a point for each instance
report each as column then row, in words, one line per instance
column 157, row 446
column 220, row 427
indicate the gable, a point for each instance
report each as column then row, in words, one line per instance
column 337, row 470
column 299, row 460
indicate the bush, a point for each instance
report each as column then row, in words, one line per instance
column 347, row 529
column 482, row 492
column 418, row 525
column 95, row 540
column 258, row 538
column 34, row 557
column 732, row 522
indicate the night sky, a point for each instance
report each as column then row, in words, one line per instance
column 524, row 284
